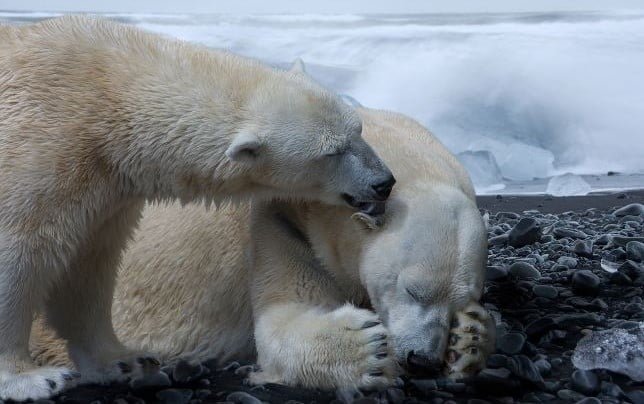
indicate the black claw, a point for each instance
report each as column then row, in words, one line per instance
column 125, row 368
column 381, row 355
column 52, row 384
column 370, row 324
column 75, row 375
column 68, row 376
column 376, row 374
column 377, row 337
column 153, row 361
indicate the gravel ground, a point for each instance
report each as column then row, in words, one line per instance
column 553, row 279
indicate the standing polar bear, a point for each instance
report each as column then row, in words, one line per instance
column 318, row 299
column 95, row 119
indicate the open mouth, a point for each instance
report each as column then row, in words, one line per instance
column 373, row 208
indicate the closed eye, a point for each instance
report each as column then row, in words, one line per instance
column 335, row 153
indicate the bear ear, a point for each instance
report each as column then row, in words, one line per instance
column 298, row 67
column 244, row 147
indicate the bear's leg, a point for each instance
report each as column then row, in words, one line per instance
column 314, row 347
column 80, row 309
column 471, row 341
column 21, row 287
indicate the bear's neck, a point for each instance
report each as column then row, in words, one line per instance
column 179, row 114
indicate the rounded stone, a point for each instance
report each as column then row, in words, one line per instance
column 585, row 382
column 546, row 291
column 570, row 262
column 635, row 251
column 174, row 396
column 494, row 272
column 523, row 270
column 584, row 282
column 634, row 209
column 510, row 343
column 527, row 231
column 242, row 398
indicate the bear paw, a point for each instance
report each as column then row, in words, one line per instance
column 129, row 366
column 471, row 341
column 366, row 349
column 36, row 383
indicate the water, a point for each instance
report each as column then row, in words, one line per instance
column 541, row 94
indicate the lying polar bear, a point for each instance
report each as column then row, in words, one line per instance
column 319, row 299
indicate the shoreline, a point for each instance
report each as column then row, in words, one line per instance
column 557, row 204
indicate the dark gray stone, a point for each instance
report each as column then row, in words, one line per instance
column 523, row 367
column 510, row 343
column 634, row 209
column 494, row 273
column 527, row 231
column 561, row 232
column 570, row 262
column 151, row 380
column 584, row 282
column 185, row 372
column 585, row 382
column 174, row 396
column 523, row 270
column 498, row 240
column 583, row 248
column 242, row 398
column 546, row 291
column 570, row 395
column 635, row 251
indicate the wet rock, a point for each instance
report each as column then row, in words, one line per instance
column 589, row 400
column 242, row 398
column 497, row 361
column 395, row 396
column 425, row 386
column 584, row 282
column 185, row 372
column 618, row 350
column 635, row 251
column 570, row 395
column 634, row 209
column 174, row 396
column 523, row 270
column 543, row 366
column 523, row 367
column 493, row 273
column 150, row 381
column 560, row 232
column 540, row 326
column 510, row 343
column 546, row 291
column 636, row 396
column 583, row 248
column 498, row 240
column 585, row 382
column 527, row 231
column 569, row 262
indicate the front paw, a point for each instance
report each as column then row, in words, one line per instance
column 364, row 342
column 347, row 347
column 471, row 341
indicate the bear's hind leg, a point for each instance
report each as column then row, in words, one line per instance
column 20, row 378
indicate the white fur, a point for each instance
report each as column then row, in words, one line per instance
column 96, row 118
column 299, row 282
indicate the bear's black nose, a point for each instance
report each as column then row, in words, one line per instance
column 418, row 363
column 383, row 189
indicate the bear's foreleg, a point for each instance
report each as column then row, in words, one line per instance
column 79, row 307
column 22, row 285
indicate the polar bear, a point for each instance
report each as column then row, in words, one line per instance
column 95, row 119
column 317, row 298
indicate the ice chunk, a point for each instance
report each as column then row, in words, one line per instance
column 618, row 350
column 567, row 185
column 483, row 169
